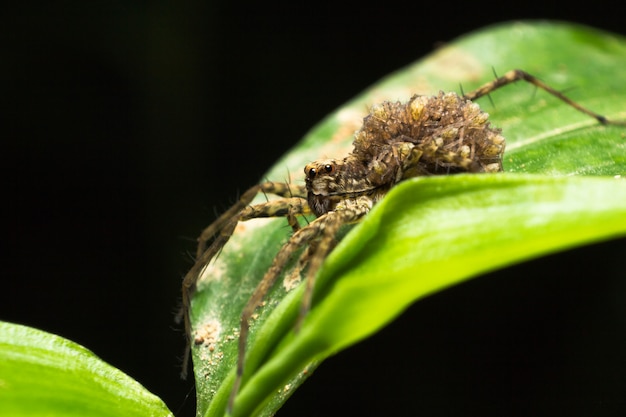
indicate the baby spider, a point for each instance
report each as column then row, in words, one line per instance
column 428, row 135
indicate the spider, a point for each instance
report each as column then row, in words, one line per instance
column 428, row 135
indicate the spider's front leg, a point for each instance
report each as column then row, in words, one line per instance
column 281, row 189
column 348, row 212
column 219, row 232
column 320, row 236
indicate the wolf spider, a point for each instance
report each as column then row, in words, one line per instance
column 428, row 135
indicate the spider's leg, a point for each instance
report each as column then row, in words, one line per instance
column 517, row 75
column 348, row 212
column 305, row 257
column 412, row 166
column 427, row 158
column 280, row 189
column 287, row 207
column 299, row 239
column 446, row 157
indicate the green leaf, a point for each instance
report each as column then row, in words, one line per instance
column 562, row 187
column 42, row 374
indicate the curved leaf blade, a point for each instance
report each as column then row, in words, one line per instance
column 428, row 234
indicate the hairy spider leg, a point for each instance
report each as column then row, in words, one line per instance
column 445, row 157
column 292, row 205
column 297, row 240
column 281, row 189
column 519, row 75
column 347, row 213
column 320, row 235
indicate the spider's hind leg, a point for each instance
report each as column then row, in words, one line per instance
column 519, row 75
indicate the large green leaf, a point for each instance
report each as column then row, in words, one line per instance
column 42, row 374
column 428, row 233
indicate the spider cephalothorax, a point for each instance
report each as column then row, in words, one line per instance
column 427, row 135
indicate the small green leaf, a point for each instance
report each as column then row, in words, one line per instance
column 428, row 233
column 42, row 374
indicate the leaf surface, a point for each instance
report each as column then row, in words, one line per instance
column 42, row 374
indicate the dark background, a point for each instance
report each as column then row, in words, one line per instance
column 127, row 124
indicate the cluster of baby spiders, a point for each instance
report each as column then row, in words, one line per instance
column 428, row 135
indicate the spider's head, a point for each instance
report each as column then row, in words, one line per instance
column 321, row 177
column 323, row 183
column 330, row 182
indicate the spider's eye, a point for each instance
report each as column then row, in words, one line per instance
column 329, row 168
column 310, row 172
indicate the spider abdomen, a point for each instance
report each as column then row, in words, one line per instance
column 448, row 133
